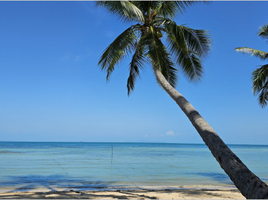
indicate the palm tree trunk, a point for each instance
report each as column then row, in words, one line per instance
column 248, row 183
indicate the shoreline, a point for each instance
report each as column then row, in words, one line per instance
column 182, row 192
column 50, row 188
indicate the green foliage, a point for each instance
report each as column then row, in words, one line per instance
column 117, row 50
column 254, row 52
column 260, row 84
column 160, row 58
column 260, row 75
column 171, row 8
column 136, row 64
column 146, row 40
column 264, row 31
column 187, row 46
column 125, row 10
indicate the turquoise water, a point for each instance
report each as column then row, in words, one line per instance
column 85, row 166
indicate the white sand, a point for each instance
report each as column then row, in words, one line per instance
column 182, row 193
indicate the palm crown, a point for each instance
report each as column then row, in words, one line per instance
column 260, row 75
column 152, row 27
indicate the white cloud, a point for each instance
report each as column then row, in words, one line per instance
column 170, row 133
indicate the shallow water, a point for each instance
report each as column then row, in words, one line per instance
column 30, row 165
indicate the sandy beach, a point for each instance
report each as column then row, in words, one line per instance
column 184, row 193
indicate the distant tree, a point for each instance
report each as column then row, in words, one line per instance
column 153, row 27
column 260, row 75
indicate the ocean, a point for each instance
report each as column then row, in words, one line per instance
column 106, row 166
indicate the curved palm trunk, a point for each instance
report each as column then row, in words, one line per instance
column 248, row 183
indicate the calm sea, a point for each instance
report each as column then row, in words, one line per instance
column 86, row 166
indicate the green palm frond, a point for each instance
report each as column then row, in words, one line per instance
column 184, row 53
column 118, row 49
column 125, row 10
column 260, row 75
column 259, row 78
column 260, row 84
column 170, row 73
column 254, row 52
column 160, row 58
column 136, row 64
column 142, row 5
column 186, row 45
column 263, row 97
column 264, row 31
column 190, row 64
column 171, row 8
column 196, row 40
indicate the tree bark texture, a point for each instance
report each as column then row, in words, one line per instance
column 247, row 183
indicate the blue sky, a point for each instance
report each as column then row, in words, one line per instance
column 52, row 89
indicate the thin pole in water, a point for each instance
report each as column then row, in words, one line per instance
column 112, row 155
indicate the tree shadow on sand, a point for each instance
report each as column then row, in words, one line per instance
column 52, row 183
column 66, row 187
column 62, row 186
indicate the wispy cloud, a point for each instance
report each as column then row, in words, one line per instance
column 170, row 133
column 167, row 134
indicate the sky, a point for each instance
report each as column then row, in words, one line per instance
column 52, row 89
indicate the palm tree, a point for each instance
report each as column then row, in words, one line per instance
column 260, row 75
column 152, row 27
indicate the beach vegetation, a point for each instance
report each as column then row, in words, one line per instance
column 260, row 75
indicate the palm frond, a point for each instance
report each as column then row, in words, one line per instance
column 196, row 40
column 142, row 5
column 186, row 45
column 125, row 10
column 191, row 65
column 260, row 84
column 136, row 64
column 185, row 52
column 264, row 31
column 160, row 58
column 171, row 8
column 259, row 78
column 254, row 52
column 168, row 9
column 118, row 49
column 263, row 96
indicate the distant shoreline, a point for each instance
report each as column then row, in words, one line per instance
column 203, row 144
